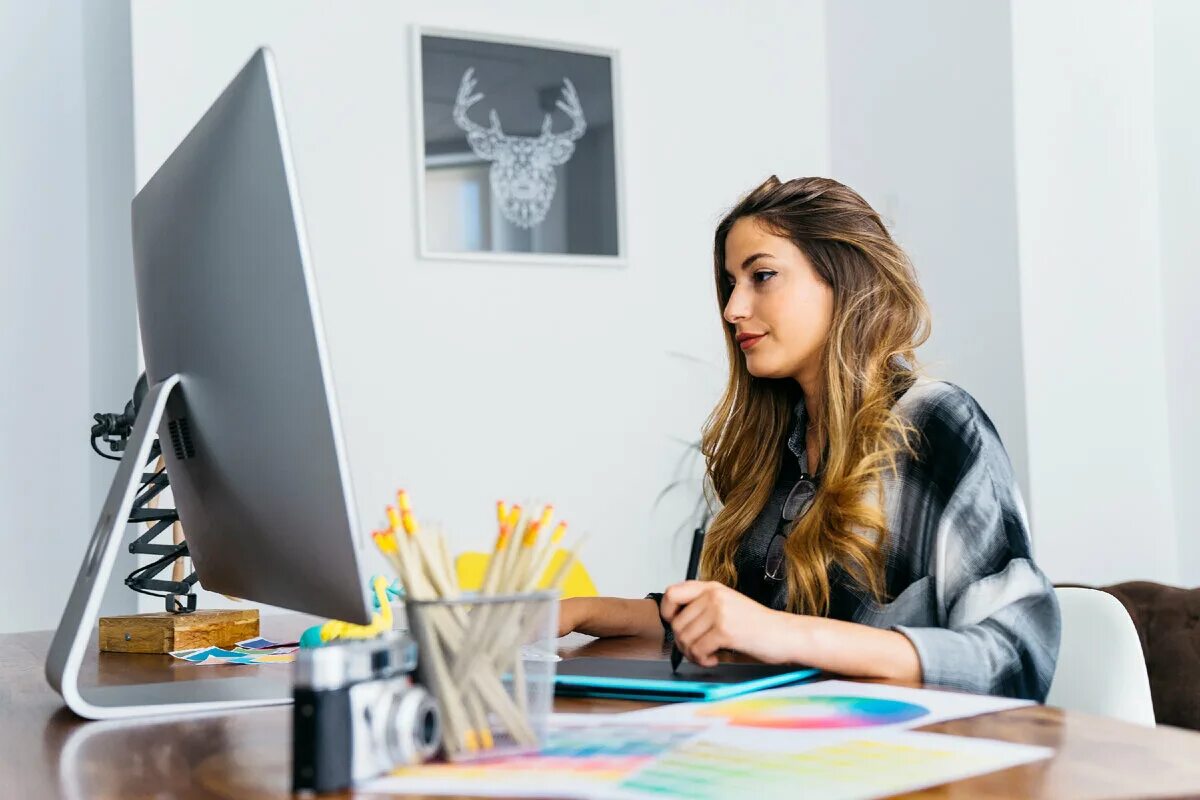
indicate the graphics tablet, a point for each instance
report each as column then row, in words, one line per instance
column 641, row 679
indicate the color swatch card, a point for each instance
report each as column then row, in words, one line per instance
column 732, row 762
column 831, row 707
column 250, row 651
column 580, row 760
column 260, row 643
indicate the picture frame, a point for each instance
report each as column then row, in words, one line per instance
column 542, row 183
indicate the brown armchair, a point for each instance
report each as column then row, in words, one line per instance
column 1167, row 619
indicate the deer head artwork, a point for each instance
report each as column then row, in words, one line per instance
column 522, row 171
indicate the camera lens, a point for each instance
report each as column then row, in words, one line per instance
column 414, row 727
column 430, row 728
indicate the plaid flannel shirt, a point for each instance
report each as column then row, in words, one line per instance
column 960, row 578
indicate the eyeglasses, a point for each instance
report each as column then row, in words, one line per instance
column 797, row 504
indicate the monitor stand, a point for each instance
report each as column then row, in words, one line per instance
column 76, row 630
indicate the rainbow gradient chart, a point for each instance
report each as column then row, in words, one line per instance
column 814, row 712
column 829, row 709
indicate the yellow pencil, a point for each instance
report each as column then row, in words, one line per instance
column 560, row 574
column 418, row 586
column 488, row 585
column 533, row 580
column 515, row 532
column 440, row 577
column 471, row 651
column 521, row 562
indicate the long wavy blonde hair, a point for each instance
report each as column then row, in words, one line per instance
column 879, row 313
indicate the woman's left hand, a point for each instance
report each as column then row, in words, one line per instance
column 707, row 616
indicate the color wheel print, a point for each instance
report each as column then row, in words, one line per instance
column 815, row 712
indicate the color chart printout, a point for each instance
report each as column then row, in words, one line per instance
column 824, row 709
column 576, row 761
column 815, row 713
column 728, row 765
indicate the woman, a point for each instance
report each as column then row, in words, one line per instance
column 869, row 521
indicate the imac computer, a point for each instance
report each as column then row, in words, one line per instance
column 241, row 398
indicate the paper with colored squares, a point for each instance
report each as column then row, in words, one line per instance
column 578, row 760
column 739, row 763
column 618, row 758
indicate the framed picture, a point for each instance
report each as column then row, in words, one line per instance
column 518, row 144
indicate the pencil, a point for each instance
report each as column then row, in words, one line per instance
column 544, row 557
column 522, row 559
column 472, row 647
column 488, row 683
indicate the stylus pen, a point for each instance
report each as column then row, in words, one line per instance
column 692, row 569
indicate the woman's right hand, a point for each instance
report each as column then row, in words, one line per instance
column 570, row 614
column 608, row 616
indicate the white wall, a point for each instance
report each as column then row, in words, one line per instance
column 1091, row 289
column 112, row 328
column 65, row 289
column 1107, row 189
column 467, row 382
column 1177, row 115
column 921, row 126
column 1081, row 341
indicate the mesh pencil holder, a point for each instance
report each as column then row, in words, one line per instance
column 490, row 661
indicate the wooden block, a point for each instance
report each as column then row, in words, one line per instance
column 162, row 632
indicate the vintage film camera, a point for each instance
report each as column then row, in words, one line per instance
column 358, row 713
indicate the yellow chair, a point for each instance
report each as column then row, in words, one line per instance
column 471, row 567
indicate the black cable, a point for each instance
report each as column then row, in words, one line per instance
column 120, row 428
column 161, row 561
column 178, row 605
column 140, row 499
column 139, row 590
column 103, row 455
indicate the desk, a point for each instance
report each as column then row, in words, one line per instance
column 46, row 751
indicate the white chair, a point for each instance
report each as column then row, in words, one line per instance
column 1101, row 669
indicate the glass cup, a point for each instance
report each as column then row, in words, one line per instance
column 490, row 661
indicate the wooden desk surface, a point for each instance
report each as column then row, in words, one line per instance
column 46, row 751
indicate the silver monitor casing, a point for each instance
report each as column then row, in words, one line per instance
column 241, row 398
